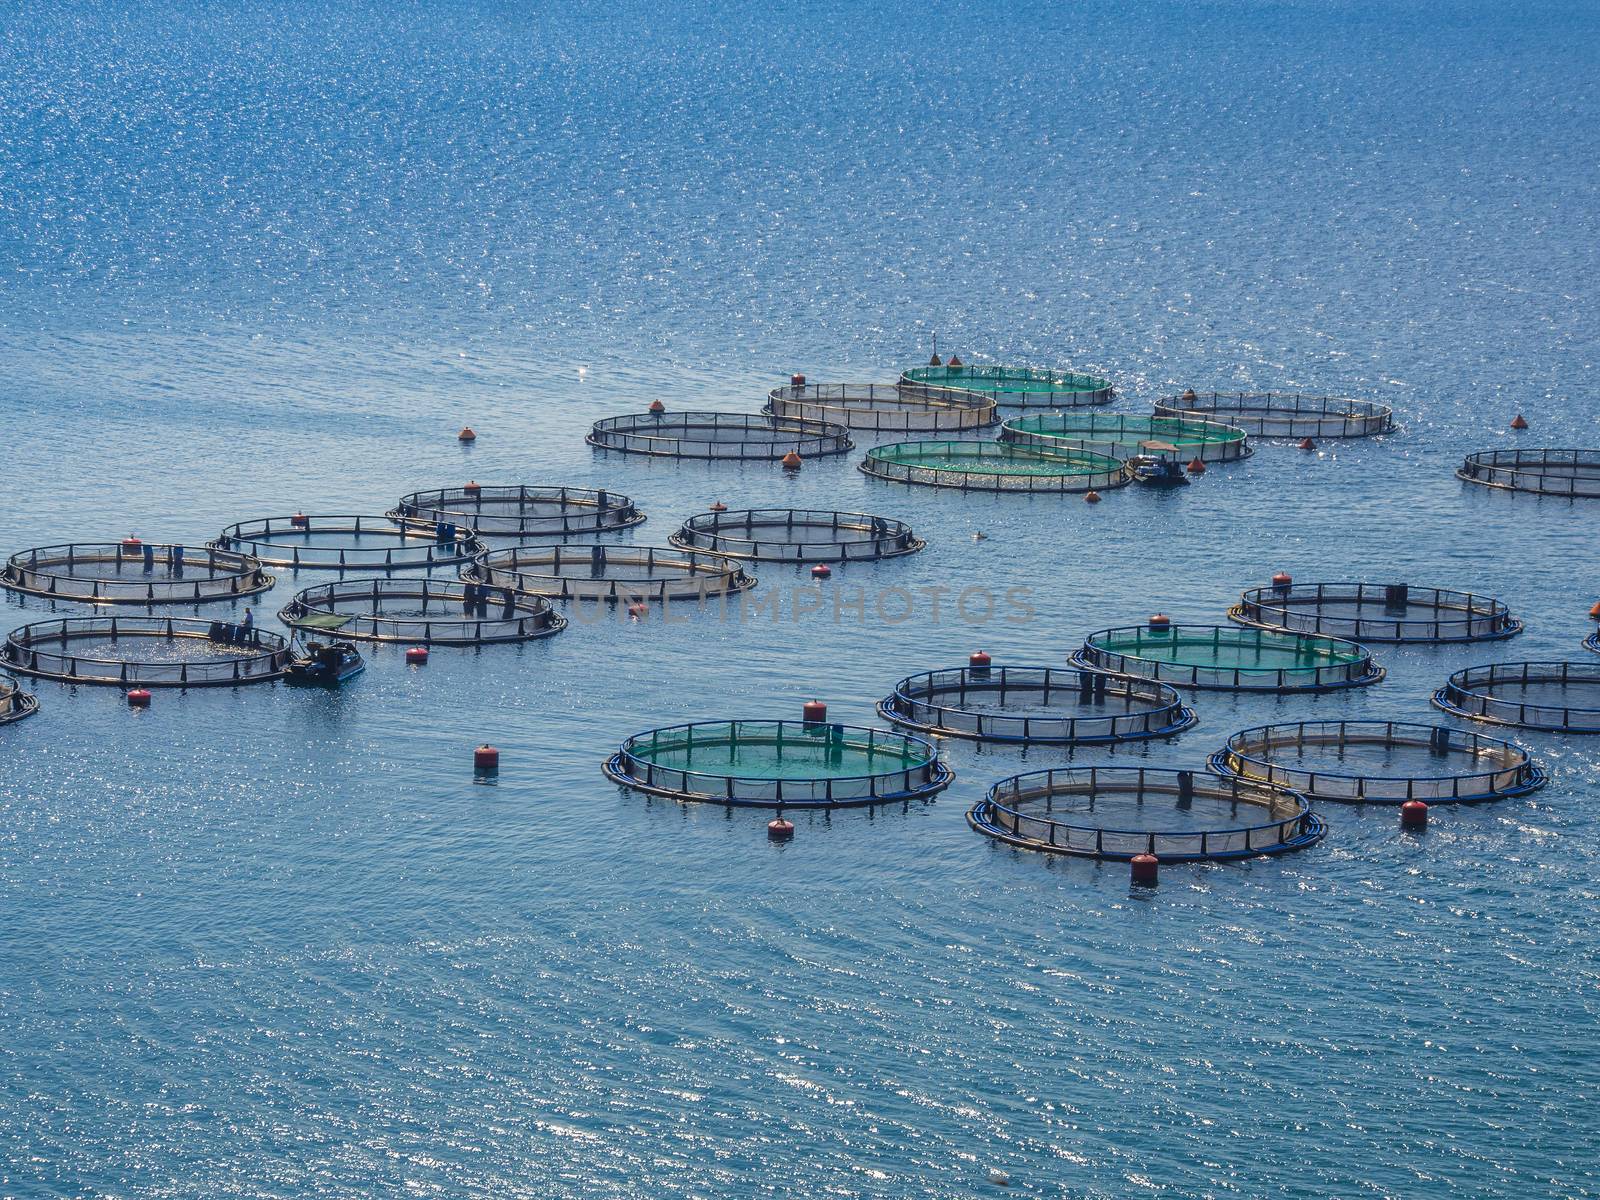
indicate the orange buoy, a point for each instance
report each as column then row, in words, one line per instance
column 657, row 407
column 417, row 654
column 466, row 434
column 131, row 541
column 138, row 697
column 978, row 658
column 1091, row 497
column 821, row 571
column 813, row 712
column 791, row 461
column 779, row 830
column 1282, row 580
column 486, row 758
column 1307, row 444
column 638, row 609
column 1196, row 467
column 1160, row 622
column 1189, row 396
column 718, row 506
column 955, row 361
column 1595, row 611
column 1144, row 869
column 1519, row 422
column 300, row 520
column 472, row 488
column 797, row 380
column 934, row 361
column 1413, row 815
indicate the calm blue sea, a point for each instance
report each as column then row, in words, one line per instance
column 253, row 259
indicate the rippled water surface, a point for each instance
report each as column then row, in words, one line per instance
column 268, row 942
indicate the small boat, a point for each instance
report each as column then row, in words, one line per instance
column 1157, row 465
column 324, row 664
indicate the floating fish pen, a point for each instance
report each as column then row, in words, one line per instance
column 1119, row 812
column 1283, row 414
column 1018, row 387
column 1569, row 474
column 797, row 535
column 1379, row 762
column 431, row 612
column 145, row 652
column 1117, row 435
column 884, row 407
column 14, row 702
column 1559, row 696
column 1226, row 658
column 993, row 467
column 1592, row 642
column 717, row 435
column 611, row 573
column 1036, row 705
column 134, row 572
column 779, row 764
column 351, row 543
column 521, row 511
column 1366, row 612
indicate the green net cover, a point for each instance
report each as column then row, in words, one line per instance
column 993, row 466
column 1121, row 436
column 1030, row 387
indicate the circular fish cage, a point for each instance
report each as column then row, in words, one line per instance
column 610, row 573
column 1366, row 612
column 1118, row 812
column 1562, row 697
column 145, row 651
column 14, row 702
column 432, row 612
column 797, row 535
column 1283, row 414
column 1226, row 658
column 993, row 467
column 779, row 764
column 1117, row 435
column 133, row 572
column 1568, row 474
column 1036, row 705
column 718, row 435
column 1018, row 387
column 350, row 543
column 521, row 511
column 1379, row 762
column 883, row 407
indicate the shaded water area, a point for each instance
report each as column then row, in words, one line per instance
column 265, row 942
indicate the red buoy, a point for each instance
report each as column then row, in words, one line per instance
column 779, row 830
column 797, row 380
column 466, row 434
column 417, row 655
column 978, row 658
column 1307, row 444
column 486, row 758
column 139, row 697
column 131, row 541
column 934, row 361
column 821, row 571
column 813, row 712
column 1196, row 467
column 718, row 506
column 1188, row 396
column 299, row 520
column 472, row 488
column 1519, row 422
column 1413, row 815
column 657, row 407
column 1091, row 497
column 791, row 461
column 955, row 361
column 1160, row 622
column 1282, row 579
column 1144, row 869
